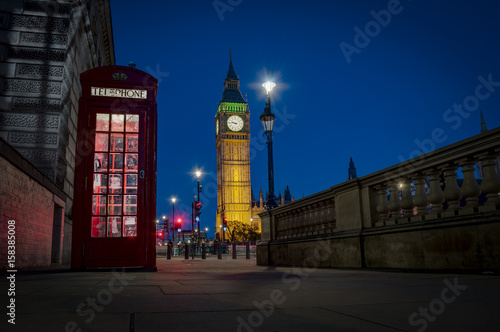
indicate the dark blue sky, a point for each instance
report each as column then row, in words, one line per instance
column 398, row 85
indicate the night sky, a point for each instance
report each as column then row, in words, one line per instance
column 348, row 85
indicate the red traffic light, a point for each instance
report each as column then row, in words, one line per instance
column 160, row 234
column 197, row 208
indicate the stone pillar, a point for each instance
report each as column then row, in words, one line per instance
column 382, row 208
column 491, row 184
column 394, row 204
column 420, row 199
column 407, row 199
column 451, row 191
column 267, row 226
column 436, row 195
column 470, row 189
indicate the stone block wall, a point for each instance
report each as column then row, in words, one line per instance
column 44, row 46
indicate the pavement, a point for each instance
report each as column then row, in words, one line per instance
column 236, row 295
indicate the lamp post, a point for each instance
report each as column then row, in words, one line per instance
column 198, row 175
column 173, row 215
column 267, row 119
column 165, row 226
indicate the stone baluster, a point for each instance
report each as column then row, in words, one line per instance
column 323, row 210
column 407, row 199
column 331, row 211
column 452, row 192
column 286, row 225
column 436, row 195
column 331, row 214
column 470, row 189
column 308, row 220
column 303, row 218
column 293, row 220
column 382, row 208
column 394, row 204
column 491, row 184
column 315, row 217
column 420, row 199
column 278, row 227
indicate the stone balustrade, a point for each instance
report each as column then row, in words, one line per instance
column 427, row 187
column 435, row 188
column 312, row 219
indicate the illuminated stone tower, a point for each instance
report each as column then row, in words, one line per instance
column 232, row 137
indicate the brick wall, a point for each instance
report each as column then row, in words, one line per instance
column 31, row 206
column 29, row 198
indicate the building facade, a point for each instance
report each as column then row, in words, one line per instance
column 44, row 46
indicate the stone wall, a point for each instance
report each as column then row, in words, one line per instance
column 440, row 245
column 414, row 215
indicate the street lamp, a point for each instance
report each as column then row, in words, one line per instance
column 198, row 188
column 267, row 119
column 173, row 199
column 165, row 226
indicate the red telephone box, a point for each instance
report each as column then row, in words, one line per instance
column 115, row 174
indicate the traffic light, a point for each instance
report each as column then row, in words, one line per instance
column 224, row 224
column 178, row 224
column 160, row 234
column 197, row 212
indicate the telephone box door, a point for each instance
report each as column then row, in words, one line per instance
column 114, row 224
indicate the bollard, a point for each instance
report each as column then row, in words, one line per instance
column 219, row 251
column 203, row 251
column 169, row 250
column 248, row 250
column 192, row 250
column 186, row 251
column 234, row 250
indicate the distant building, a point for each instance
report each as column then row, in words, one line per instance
column 479, row 168
column 258, row 205
column 351, row 172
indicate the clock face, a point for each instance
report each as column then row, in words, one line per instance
column 235, row 123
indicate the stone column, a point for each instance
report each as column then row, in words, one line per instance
column 394, row 204
column 470, row 189
column 407, row 199
column 382, row 208
column 491, row 184
column 436, row 195
column 420, row 199
column 452, row 192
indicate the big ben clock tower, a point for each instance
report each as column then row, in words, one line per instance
column 232, row 137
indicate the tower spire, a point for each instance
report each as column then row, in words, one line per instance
column 231, row 74
column 351, row 172
column 483, row 123
column 232, row 93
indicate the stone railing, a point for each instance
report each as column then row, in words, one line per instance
column 426, row 188
column 422, row 189
column 311, row 218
